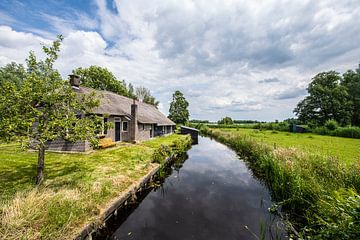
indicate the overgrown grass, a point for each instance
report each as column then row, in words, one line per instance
column 319, row 193
column 76, row 189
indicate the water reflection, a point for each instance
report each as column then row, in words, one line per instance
column 212, row 195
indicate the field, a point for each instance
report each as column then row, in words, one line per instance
column 345, row 149
column 76, row 188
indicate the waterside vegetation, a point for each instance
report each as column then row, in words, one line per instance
column 317, row 194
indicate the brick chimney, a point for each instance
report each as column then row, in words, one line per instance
column 74, row 80
column 134, row 123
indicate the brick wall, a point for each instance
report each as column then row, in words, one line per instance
column 65, row 146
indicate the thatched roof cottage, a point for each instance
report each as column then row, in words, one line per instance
column 132, row 120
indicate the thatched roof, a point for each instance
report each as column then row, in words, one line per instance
column 114, row 104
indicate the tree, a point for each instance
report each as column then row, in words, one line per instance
column 131, row 90
column 351, row 81
column 46, row 108
column 101, row 79
column 327, row 100
column 178, row 111
column 143, row 94
column 13, row 72
column 226, row 120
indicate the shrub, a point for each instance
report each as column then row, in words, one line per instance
column 331, row 124
column 349, row 132
column 160, row 154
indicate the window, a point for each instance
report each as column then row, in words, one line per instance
column 125, row 126
column 105, row 127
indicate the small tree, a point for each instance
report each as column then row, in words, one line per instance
column 331, row 124
column 226, row 120
column 46, row 108
column 178, row 111
column 143, row 94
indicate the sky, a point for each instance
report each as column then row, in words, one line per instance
column 244, row 59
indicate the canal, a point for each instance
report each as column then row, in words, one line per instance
column 212, row 196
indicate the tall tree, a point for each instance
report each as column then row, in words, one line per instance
column 101, row 79
column 13, row 72
column 178, row 111
column 327, row 100
column 143, row 94
column 351, row 81
column 45, row 108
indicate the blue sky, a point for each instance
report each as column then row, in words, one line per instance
column 243, row 59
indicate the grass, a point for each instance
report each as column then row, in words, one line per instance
column 76, row 189
column 345, row 149
column 318, row 193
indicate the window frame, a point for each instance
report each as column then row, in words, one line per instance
column 105, row 129
column 122, row 126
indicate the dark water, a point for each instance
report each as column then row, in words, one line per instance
column 213, row 196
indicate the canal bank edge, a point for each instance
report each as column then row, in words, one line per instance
column 177, row 149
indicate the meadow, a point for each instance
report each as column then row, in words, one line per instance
column 76, row 189
column 345, row 149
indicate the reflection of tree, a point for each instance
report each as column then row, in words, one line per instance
column 168, row 168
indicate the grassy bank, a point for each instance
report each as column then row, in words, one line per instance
column 318, row 192
column 77, row 187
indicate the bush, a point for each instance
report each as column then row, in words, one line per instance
column 178, row 147
column 331, row 124
column 348, row 132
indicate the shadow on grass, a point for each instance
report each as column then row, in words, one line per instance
column 19, row 168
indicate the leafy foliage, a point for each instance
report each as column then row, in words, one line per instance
column 178, row 111
column 331, row 124
column 226, row 120
column 351, row 81
column 45, row 108
column 101, row 79
column 332, row 96
column 14, row 73
column 327, row 100
column 143, row 94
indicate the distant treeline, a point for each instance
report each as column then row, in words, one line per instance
column 233, row 121
column 331, row 128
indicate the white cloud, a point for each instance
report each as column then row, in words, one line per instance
column 15, row 46
column 245, row 59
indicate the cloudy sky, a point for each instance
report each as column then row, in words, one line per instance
column 243, row 59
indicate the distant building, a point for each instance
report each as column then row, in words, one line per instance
column 297, row 128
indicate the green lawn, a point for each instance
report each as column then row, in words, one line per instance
column 345, row 149
column 76, row 188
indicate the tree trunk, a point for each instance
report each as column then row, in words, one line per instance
column 40, row 168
